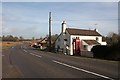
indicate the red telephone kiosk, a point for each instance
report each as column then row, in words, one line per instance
column 76, row 46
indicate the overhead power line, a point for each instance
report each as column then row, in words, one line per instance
column 85, row 19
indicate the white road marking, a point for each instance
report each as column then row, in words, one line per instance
column 38, row 56
column 32, row 54
column 12, row 47
column 82, row 70
column 35, row 52
column 35, row 55
column 25, row 50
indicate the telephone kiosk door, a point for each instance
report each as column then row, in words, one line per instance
column 76, row 46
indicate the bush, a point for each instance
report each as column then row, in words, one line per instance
column 99, row 51
column 107, row 52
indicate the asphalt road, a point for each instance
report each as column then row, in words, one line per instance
column 25, row 62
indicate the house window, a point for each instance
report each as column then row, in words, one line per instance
column 65, row 39
column 65, row 33
column 96, row 38
column 58, row 47
column 85, row 47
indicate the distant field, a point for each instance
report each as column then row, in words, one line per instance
column 6, row 45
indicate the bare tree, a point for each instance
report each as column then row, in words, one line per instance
column 21, row 38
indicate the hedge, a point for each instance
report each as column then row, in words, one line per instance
column 107, row 52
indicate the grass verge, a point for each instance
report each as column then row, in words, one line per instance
column 6, row 45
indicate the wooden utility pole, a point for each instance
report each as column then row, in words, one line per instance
column 50, row 25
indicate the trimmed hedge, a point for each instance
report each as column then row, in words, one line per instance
column 107, row 52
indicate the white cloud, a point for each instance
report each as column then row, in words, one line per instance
column 6, row 30
column 21, row 20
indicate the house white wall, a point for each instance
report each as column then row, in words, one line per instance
column 60, row 42
column 85, row 38
column 81, row 38
column 103, row 43
column 67, row 43
column 67, row 47
column 90, row 47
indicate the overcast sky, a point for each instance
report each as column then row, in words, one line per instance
column 30, row 19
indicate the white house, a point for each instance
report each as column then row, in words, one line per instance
column 73, row 41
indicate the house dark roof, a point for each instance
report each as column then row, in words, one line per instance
column 73, row 31
column 91, row 42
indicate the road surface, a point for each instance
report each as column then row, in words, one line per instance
column 22, row 61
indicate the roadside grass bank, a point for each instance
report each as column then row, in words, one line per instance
column 8, row 44
column 97, row 59
column 81, row 57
